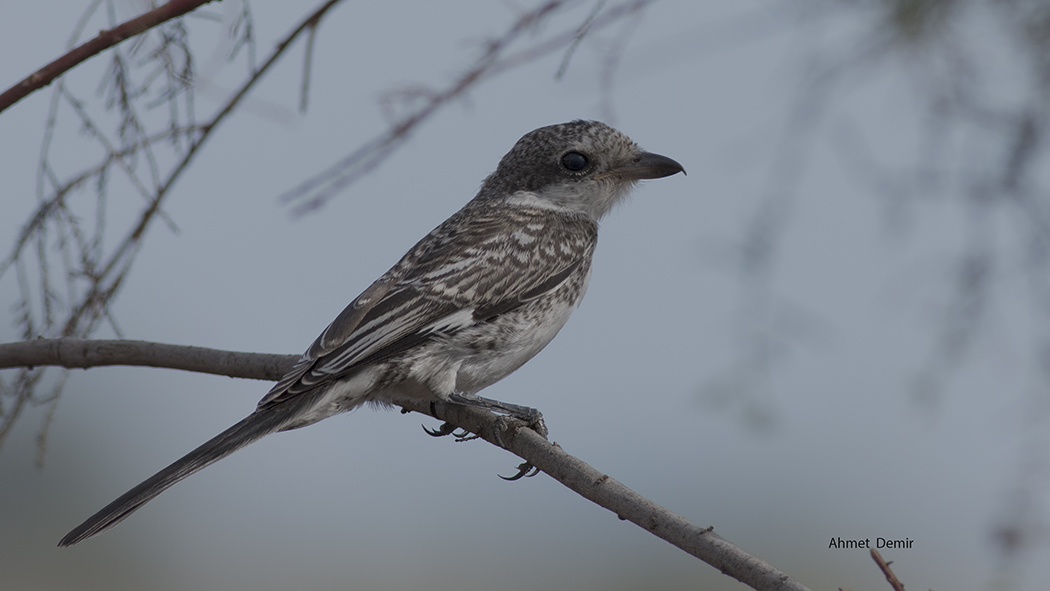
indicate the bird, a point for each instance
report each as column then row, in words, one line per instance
column 465, row 307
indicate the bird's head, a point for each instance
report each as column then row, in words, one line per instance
column 584, row 165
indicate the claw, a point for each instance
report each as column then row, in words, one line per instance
column 459, row 433
column 525, row 470
column 443, row 430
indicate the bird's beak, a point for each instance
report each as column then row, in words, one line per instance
column 645, row 165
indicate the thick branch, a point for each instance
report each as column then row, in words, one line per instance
column 523, row 442
column 103, row 41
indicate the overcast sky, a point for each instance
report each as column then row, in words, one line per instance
column 830, row 442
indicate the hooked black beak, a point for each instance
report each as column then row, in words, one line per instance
column 646, row 165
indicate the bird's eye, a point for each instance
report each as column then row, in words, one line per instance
column 574, row 161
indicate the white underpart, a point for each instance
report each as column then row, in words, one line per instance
column 479, row 371
column 341, row 396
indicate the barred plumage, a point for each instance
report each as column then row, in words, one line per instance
column 466, row 306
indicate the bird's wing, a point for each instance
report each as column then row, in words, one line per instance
column 482, row 262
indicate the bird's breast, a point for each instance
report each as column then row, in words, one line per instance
column 493, row 350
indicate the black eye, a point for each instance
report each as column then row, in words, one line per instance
column 574, row 161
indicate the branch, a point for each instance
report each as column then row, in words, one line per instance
column 104, row 40
column 549, row 457
column 74, row 353
column 885, row 567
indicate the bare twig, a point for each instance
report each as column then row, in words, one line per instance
column 104, row 40
column 885, row 567
column 103, row 274
column 131, row 242
column 549, row 457
column 46, row 207
column 308, row 66
column 580, row 33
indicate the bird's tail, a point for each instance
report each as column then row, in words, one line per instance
column 256, row 426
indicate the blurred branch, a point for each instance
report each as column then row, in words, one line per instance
column 764, row 335
column 319, row 189
column 549, row 457
column 103, row 41
column 577, row 38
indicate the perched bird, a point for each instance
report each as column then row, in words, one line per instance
column 470, row 303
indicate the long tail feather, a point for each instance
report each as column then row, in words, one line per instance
column 256, row 426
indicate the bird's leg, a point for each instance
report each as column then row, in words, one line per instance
column 522, row 413
column 530, row 416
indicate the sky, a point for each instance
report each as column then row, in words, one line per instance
column 649, row 382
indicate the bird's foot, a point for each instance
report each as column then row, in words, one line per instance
column 530, row 416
